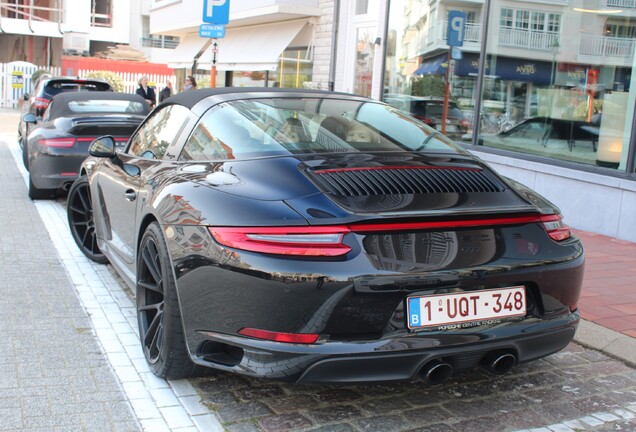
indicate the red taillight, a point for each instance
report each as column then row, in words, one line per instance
column 41, row 103
column 328, row 240
column 464, row 123
column 556, row 229
column 58, row 142
column 426, row 120
column 299, row 338
column 302, row 241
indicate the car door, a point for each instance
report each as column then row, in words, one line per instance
column 123, row 180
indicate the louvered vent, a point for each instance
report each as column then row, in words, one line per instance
column 409, row 180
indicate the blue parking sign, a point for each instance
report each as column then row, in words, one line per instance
column 456, row 25
column 216, row 11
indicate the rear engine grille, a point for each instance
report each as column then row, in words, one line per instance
column 410, row 180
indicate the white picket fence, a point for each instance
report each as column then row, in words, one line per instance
column 11, row 93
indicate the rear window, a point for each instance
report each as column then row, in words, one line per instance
column 435, row 109
column 107, row 107
column 287, row 126
column 53, row 88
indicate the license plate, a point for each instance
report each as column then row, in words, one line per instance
column 448, row 309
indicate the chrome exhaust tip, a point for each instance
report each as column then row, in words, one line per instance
column 499, row 362
column 436, row 372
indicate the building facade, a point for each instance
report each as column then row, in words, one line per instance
column 40, row 32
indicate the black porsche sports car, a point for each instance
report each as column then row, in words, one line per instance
column 59, row 143
column 323, row 255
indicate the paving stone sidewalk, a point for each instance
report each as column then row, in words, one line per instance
column 53, row 373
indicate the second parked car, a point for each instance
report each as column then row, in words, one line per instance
column 45, row 89
column 59, row 142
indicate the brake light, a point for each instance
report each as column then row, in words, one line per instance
column 58, row 142
column 555, row 227
column 301, row 241
column 426, row 120
column 41, row 103
column 464, row 123
column 299, row 338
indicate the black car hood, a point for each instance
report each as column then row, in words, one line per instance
column 365, row 185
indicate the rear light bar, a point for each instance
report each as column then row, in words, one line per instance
column 328, row 241
column 70, row 142
column 57, row 142
column 556, row 229
column 299, row 338
column 302, row 241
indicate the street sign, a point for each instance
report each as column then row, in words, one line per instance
column 215, row 31
column 216, row 11
column 456, row 24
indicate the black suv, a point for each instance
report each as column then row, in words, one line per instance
column 45, row 88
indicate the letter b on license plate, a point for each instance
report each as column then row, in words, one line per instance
column 445, row 309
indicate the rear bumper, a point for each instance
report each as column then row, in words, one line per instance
column 54, row 171
column 395, row 359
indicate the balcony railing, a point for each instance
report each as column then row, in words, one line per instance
column 159, row 43
column 543, row 41
column 624, row 4
column 436, row 36
column 31, row 12
column 607, row 46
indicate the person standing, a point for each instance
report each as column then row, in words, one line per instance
column 190, row 83
column 166, row 92
column 146, row 92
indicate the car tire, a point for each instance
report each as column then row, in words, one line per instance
column 79, row 211
column 160, row 327
column 40, row 194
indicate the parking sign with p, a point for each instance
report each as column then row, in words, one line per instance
column 456, row 24
column 216, row 11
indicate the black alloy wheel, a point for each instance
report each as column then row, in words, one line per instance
column 160, row 328
column 80, row 220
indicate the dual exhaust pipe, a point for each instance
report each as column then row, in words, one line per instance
column 437, row 371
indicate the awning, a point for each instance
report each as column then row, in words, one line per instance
column 257, row 48
column 435, row 66
column 183, row 55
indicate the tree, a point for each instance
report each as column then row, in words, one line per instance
column 428, row 85
column 111, row 77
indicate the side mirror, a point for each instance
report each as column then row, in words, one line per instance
column 30, row 118
column 103, row 147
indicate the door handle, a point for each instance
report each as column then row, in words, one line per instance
column 130, row 195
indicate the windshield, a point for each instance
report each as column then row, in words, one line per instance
column 269, row 127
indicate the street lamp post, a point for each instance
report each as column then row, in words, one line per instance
column 555, row 49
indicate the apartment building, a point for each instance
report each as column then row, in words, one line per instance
column 40, row 32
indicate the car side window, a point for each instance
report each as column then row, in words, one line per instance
column 158, row 132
